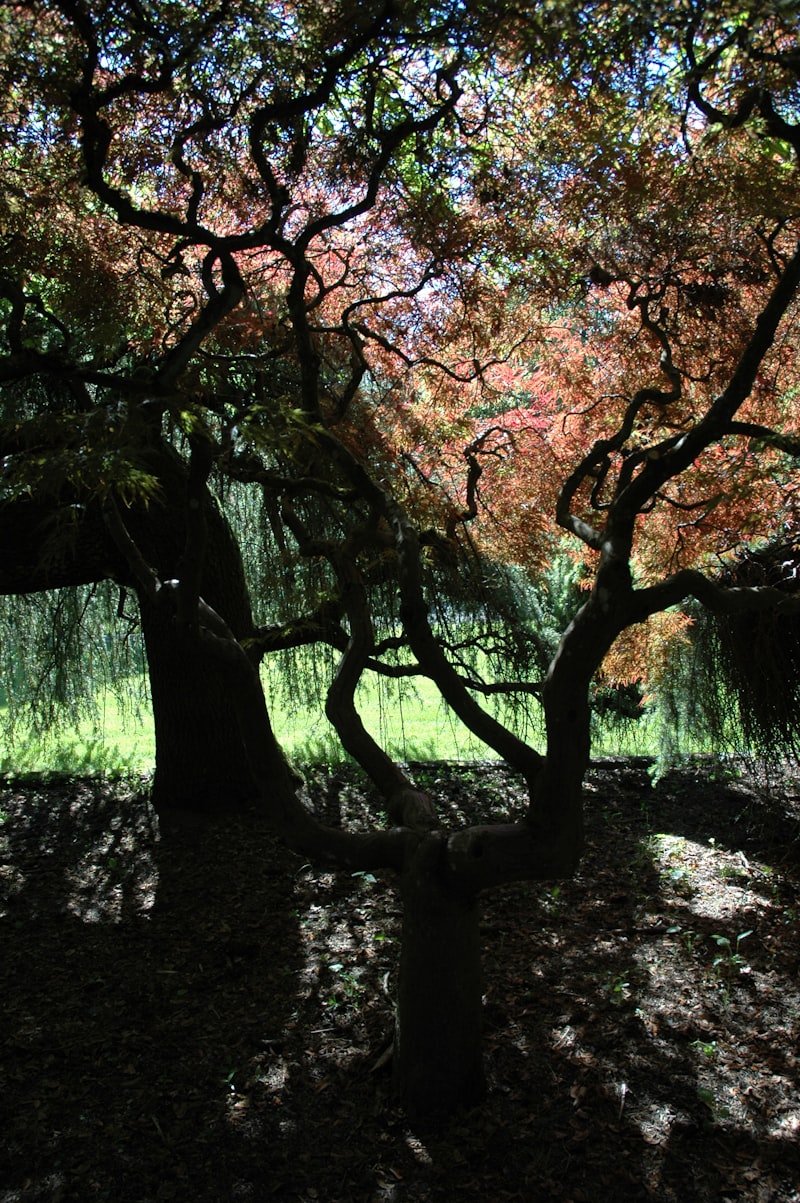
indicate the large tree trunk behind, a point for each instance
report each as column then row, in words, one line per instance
column 438, row 1061
column 200, row 759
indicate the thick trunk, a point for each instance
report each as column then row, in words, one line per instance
column 557, row 796
column 438, row 1063
column 200, row 760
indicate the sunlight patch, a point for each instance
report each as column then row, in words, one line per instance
column 695, row 871
column 418, row 1149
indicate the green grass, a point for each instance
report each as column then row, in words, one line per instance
column 112, row 743
column 411, row 723
column 408, row 720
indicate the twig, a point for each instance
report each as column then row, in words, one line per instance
column 159, row 1130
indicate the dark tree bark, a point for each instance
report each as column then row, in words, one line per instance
column 50, row 546
column 200, row 758
column 438, row 1058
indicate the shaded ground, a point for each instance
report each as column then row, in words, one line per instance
column 196, row 1014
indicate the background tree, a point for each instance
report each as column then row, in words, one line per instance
column 437, row 287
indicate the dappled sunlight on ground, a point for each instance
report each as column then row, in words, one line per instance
column 197, row 1013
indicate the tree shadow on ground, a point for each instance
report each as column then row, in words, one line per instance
column 138, row 964
column 667, row 1058
column 195, row 1013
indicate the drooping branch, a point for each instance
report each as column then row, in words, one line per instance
column 423, row 643
column 405, row 804
column 429, row 653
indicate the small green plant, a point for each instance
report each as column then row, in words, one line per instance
column 707, row 1047
column 617, row 988
column 348, row 989
column 729, row 959
column 366, row 879
column 681, row 881
column 735, row 872
column 724, row 771
column 688, row 938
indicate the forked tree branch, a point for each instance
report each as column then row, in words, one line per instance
column 276, row 783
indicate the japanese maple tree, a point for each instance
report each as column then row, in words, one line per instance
column 444, row 288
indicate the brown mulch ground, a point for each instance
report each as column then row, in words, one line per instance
column 195, row 1014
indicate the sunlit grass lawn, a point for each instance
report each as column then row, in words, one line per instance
column 410, row 721
column 114, row 741
column 412, row 725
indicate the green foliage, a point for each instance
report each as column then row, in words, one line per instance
column 753, row 666
column 707, row 1047
column 695, row 708
column 618, row 988
column 729, row 960
column 98, row 755
column 60, row 651
column 734, row 687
